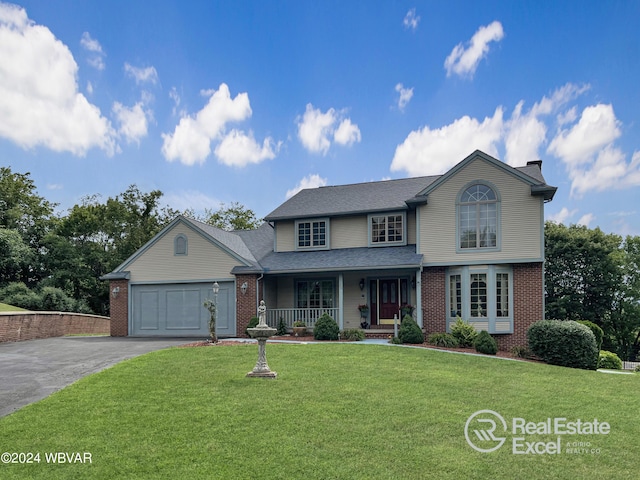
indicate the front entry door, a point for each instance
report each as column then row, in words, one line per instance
column 387, row 295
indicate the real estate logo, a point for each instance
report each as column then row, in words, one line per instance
column 486, row 431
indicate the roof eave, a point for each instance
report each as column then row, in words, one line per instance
column 547, row 192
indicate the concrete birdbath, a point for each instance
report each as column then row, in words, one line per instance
column 261, row 333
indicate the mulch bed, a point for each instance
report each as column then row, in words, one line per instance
column 291, row 338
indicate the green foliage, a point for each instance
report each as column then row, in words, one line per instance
column 485, row 343
column 464, row 332
column 234, row 217
column 637, row 369
column 564, row 343
column 609, row 360
column 443, row 340
column 597, row 331
column 253, row 323
column 18, row 294
column 521, row 351
column 326, row 328
column 395, row 341
column 54, row 299
column 352, row 335
column 15, row 256
column 282, row 327
column 409, row 331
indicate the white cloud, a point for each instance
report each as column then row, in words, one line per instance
column 586, row 219
column 96, row 60
column 190, row 200
column 434, row 151
column 464, row 61
column 133, row 121
column 405, row 96
column 411, row 20
column 347, row 133
column 175, row 96
column 561, row 216
column 40, row 104
column 190, row 142
column 310, row 181
column 315, row 128
column 238, row 149
column 141, row 75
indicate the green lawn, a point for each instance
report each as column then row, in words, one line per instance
column 10, row 308
column 344, row 411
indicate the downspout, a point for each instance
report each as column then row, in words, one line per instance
column 419, row 297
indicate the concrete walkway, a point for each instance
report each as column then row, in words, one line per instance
column 34, row 369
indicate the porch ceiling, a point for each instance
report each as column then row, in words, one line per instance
column 342, row 259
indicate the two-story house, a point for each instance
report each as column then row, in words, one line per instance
column 469, row 243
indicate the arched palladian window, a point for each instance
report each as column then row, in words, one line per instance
column 478, row 217
column 180, row 245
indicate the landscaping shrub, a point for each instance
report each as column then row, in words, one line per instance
column 637, row 369
column 282, row 327
column 352, row 335
column 253, row 323
column 54, row 299
column 394, row 340
column 409, row 331
column 443, row 340
column 564, row 343
column 19, row 295
column 597, row 331
column 326, row 328
column 521, row 351
column 485, row 343
column 609, row 360
column 464, row 332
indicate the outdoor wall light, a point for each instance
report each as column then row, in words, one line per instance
column 243, row 288
column 115, row 292
column 216, row 288
column 362, row 284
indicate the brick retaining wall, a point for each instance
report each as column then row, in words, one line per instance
column 17, row 326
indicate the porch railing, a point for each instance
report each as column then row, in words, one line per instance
column 291, row 315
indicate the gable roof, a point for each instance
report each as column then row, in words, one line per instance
column 390, row 195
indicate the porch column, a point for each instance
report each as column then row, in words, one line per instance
column 419, row 297
column 341, row 302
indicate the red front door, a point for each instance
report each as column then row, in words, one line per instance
column 387, row 295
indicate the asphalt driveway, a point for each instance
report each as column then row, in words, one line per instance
column 34, row 369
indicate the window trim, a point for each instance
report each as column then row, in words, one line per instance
column 387, row 243
column 309, row 281
column 180, row 236
column 327, row 234
column 497, row 203
column 491, row 317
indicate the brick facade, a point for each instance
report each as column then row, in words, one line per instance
column 19, row 326
column 119, row 308
column 528, row 302
column 246, row 303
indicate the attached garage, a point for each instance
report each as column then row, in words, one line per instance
column 177, row 310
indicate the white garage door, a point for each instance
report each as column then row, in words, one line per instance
column 177, row 310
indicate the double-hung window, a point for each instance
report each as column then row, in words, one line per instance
column 387, row 229
column 312, row 234
column 478, row 213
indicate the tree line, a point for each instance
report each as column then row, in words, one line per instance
column 54, row 261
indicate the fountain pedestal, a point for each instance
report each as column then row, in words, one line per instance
column 261, row 333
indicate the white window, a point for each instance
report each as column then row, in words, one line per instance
column 315, row 293
column 312, row 234
column 387, row 229
column 482, row 295
column 478, row 218
column 180, row 245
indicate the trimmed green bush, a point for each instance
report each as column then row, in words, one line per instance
column 464, row 332
column 521, row 351
column 409, row 331
column 609, row 360
column 597, row 331
column 395, row 340
column 565, row 343
column 253, row 323
column 282, row 327
column 326, row 328
column 485, row 343
column 352, row 335
column 443, row 340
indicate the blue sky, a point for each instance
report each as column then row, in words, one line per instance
column 216, row 102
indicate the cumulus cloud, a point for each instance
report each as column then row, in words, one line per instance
column 433, row 151
column 40, row 104
column 96, row 57
column 190, row 200
column 310, row 181
column 586, row 219
column 411, row 20
column 141, row 75
column 405, row 96
column 562, row 216
column 463, row 61
column 190, row 142
column 315, row 129
column 132, row 120
column 238, row 149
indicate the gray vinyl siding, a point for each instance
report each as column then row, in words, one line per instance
column 520, row 219
column 285, row 236
column 349, row 232
column 204, row 260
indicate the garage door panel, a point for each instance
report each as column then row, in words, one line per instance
column 178, row 310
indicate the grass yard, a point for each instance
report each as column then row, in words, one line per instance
column 4, row 307
column 343, row 411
